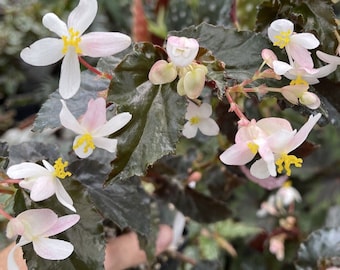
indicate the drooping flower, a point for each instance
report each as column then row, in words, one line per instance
column 281, row 33
column 199, row 118
column 93, row 128
column 277, row 247
column 182, row 52
column 72, row 43
column 281, row 144
column 287, row 194
column 36, row 226
column 43, row 181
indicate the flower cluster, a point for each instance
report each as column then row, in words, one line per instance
column 300, row 68
column 182, row 52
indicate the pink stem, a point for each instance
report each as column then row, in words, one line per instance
column 236, row 109
column 10, row 181
column 93, row 69
column 5, row 214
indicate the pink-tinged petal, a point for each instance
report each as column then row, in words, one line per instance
column 37, row 220
column 267, row 154
column 192, row 110
column 69, row 121
column 181, row 50
column 278, row 26
column 281, row 67
column 106, row 143
column 272, row 125
column 63, row 223
column 101, row 44
column 310, row 100
column 62, row 196
column 43, row 188
column 95, row 116
column 300, row 55
column 268, row 56
column 279, row 140
column 194, row 82
column 208, row 127
column 325, row 70
column 43, row 52
column 259, row 169
column 26, row 170
column 69, row 82
column 114, row 124
column 302, row 134
column 328, row 58
column 205, row 110
column 52, row 249
column 80, row 150
column 237, row 154
column 305, row 40
column 14, row 227
column 83, row 15
column 291, row 97
column 269, row 183
column 162, row 72
column 189, row 130
column 52, row 22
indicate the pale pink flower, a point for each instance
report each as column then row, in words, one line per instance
column 281, row 141
column 281, row 33
column 72, row 43
column 287, row 194
column 93, row 128
column 43, row 181
column 199, row 118
column 182, row 52
column 277, row 247
column 36, row 226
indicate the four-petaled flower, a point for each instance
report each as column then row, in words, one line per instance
column 36, row 226
column 43, row 181
column 93, row 128
column 281, row 33
column 73, row 44
column 199, row 118
column 182, row 52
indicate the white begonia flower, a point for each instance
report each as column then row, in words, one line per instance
column 36, row 226
column 181, row 50
column 287, row 194
column 72, row 43
column 199, row 118
column 43, row 181
column 93, row 128
column 281, row 33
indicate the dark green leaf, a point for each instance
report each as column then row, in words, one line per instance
column 320, row 248
column 48, row 116
column 157, row 113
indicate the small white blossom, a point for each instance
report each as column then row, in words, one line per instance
column 199, row 118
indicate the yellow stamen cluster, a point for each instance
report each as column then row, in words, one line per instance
column 72, row 40
column 253, row 147
column 285, row 161
column 194, row 120
column 298, row 81
column 283, row 39
column 87, row 139
column 59, row 169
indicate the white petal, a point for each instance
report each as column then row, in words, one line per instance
column 325, row 70
column 43, row 188
column 62, row 196
column 80, row 151
column 182, row 50
column 100, row 44
column 52, row 22
column 259, row 169
column 69, row 82
column 208, row 127
column 106, row 143
column 43, row 52
column 11, row 263
column 69, row 121
column 114, row 124
column 26, row 170
column 237, row 154
column 48, row 166
column 83, row 15
column 205, row 110
column 52, row 249
column 192, row 110
column 62, row 224
column 189, row 130
column 278, row 26
column 305, row 40
column 332, row 59
column 281, row 67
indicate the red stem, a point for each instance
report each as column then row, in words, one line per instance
column 236, row 109
column 5, row 214
column 93, row 69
